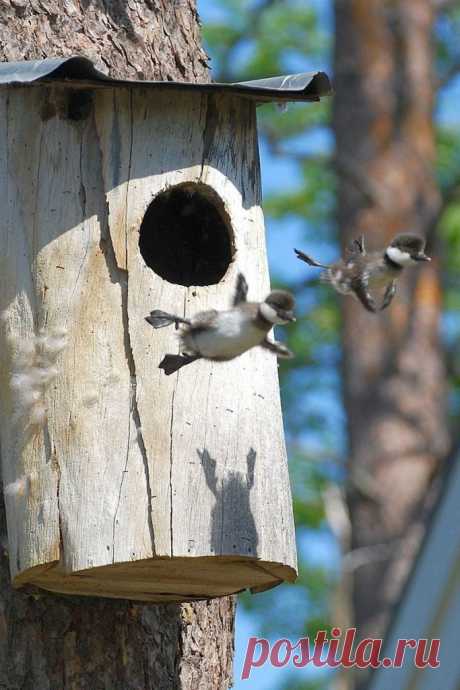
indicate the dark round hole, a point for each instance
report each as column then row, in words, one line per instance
column 185, row 236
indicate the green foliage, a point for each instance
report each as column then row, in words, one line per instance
column 312, row 199
column 269, row 33
column 448, row 156
column 297, row 119
column 449, row 237
column 447, row 46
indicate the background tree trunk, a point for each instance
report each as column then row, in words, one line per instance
column 53, row 642
column 394, row 379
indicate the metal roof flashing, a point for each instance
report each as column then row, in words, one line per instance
column 80, row 72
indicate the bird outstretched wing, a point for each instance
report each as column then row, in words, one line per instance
column 355, row 250
column 241, row 290
column 357, row 245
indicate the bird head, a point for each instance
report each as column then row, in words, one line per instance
column 406, row 249
column 278, row 307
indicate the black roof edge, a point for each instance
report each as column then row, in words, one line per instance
column 308, row 86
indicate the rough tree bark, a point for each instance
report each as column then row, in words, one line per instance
column 57, row 643
column 156, row 39
column 394, row 379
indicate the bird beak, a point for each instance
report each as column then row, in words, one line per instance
column 422, row 257
column 290, row 316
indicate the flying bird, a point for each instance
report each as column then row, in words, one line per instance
column 224, row 335
column 360, row 271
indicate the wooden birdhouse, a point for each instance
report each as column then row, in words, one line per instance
column 120, row 197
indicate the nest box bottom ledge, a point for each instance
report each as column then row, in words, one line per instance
column 161, row 579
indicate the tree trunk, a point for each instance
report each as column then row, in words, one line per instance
column 54, row 642
column 155, row 39
column 393, row 375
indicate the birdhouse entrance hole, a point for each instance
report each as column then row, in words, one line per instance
column 186, row 235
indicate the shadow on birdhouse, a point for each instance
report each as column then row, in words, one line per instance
column 125, row 197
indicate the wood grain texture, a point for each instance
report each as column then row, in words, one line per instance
column 34, row 522
column 155, row 488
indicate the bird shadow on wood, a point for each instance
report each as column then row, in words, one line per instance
column 233, row 528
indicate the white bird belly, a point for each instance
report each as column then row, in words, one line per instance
column 231, row 335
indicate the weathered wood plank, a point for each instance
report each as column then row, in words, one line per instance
column 114, row 125
column 166, row 150
column 228, row 460
column 95, row 430
column 33, row 523
column 130, row 463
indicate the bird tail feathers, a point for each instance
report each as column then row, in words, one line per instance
column 160, row 319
